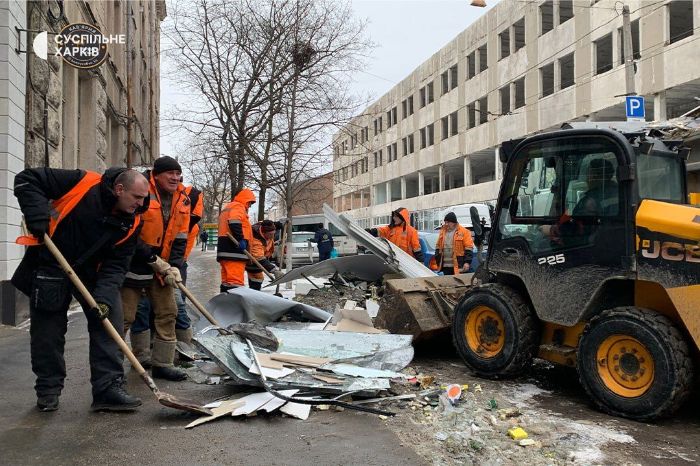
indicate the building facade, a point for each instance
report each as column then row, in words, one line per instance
column 97, row 118
column 524, row 67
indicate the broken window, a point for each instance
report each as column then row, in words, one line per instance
column 505, row 99
column 546, row 17
column 445, row 82
column 483, row 110
column 603, row 54
column 471, row 115
column 445, row 122
column 680, row 14
column 453, row 124
column 636, row 55
column 453, row 77
column 471, row 65
column 431, row 96
column 566, row 10
column 483, row 58
column 431, row 134
column 423, row 138
column 519, row 34
column 519, row 97
column 504, row 38
column 566, row 71
column 547, row 79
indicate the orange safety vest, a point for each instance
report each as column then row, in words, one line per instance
column 234, row 213
column 154, row 233
column 197, row 210
column 404, row 236
column 61, row 207
column 461, row 241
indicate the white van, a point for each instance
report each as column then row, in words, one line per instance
column 309, row 223
column 464, row 217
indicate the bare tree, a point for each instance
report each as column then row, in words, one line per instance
column 207, row 170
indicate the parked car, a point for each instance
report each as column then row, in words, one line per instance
column 303, row 251
column 428, row 240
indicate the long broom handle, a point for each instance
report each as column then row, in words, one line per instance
column 93, row 304
column 250, row 256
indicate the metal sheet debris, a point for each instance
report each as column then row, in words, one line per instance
column 388, row 252
column 364, row 267
column 244, row 304
column 297, row 410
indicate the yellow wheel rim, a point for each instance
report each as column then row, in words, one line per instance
column 485, row 332
column 625, row 366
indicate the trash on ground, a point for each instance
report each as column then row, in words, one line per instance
column 517, row 433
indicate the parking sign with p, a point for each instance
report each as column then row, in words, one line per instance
column 634, row 108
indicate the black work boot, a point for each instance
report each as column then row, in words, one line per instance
column 168, row 373
column 115, row 398
column 47, row 403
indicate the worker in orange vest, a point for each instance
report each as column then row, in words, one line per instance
column 453, row 250
column 231, row 257
column 160, row 250
column 94, row 221
column 262, row 246
column 401, row 233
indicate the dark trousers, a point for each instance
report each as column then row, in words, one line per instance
column 323, row 255
column 448, row 270
column 48, row 338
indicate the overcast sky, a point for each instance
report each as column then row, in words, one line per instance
column 406, row 33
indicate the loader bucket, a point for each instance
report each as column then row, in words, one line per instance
column 422, row 307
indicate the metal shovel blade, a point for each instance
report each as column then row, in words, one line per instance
column 171, row 401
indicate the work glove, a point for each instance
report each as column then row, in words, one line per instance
column 102, row 311
column 160, row 266
column 37, row 226
column 172, row 277
column 277, row 273
column 242, row 244
column 372, row 231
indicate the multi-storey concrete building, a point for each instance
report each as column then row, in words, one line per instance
column 523, row 67
column 95, row 118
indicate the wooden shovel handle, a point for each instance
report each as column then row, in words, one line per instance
column 250, row 256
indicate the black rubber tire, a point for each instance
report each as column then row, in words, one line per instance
column 522, row 331
column 673, row 364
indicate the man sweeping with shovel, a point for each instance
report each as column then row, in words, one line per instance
column 94, row 221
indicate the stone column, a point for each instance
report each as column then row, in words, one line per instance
column 441, row 177
column 660, row 106
column 403, row 187
column 467, row 167
column 499, row 168
column 388, row 191
column 421, row 184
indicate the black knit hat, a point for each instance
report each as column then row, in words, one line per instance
column 451, row 217
column 267, row 226
column 165, row 164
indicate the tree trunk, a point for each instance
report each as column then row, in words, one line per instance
column 261, row 201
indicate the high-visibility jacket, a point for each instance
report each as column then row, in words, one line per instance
column 196, row 212
column 82, row 221
column 262, row 249
column 167, row 239
column 404, row 235
column 462, row 244
column 234, row 219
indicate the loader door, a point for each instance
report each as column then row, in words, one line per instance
column 562, row 223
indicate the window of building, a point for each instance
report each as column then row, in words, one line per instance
column 423, row 138
column 394, row 152
column 376, row 127
column 410, row 144
column 454, row 75
column 445, row 79
column 362, row 137
column 445, row 132
column 566, row 10
column 636, row 55
column 680, row 15
column 353, row 170
column 336, row 152
column 471, row 65
column 519, row 34
column 366, row 165
column 410, row 105
column 431, row 95
column 603, row 54
column 394, row 114
column 404, row 109
column 566, row 71
column 381, row 162
column 388, row 119
column 431, row 134
column 546, row 17
column 483, row 110
column 471, row 115
column 366, row 130
column 376, row 159
column 423, row 100
column 505, row 99
column 483, row 58
column 519, row 97
column 391, row 119
column 504, row 38
column 381, row 128
column 454, row 124
column 353, row 141
column 547, row 79
column 404, row 145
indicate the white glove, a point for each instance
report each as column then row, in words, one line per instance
column 160, row 266
column 172, row 277
column 277, row 273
